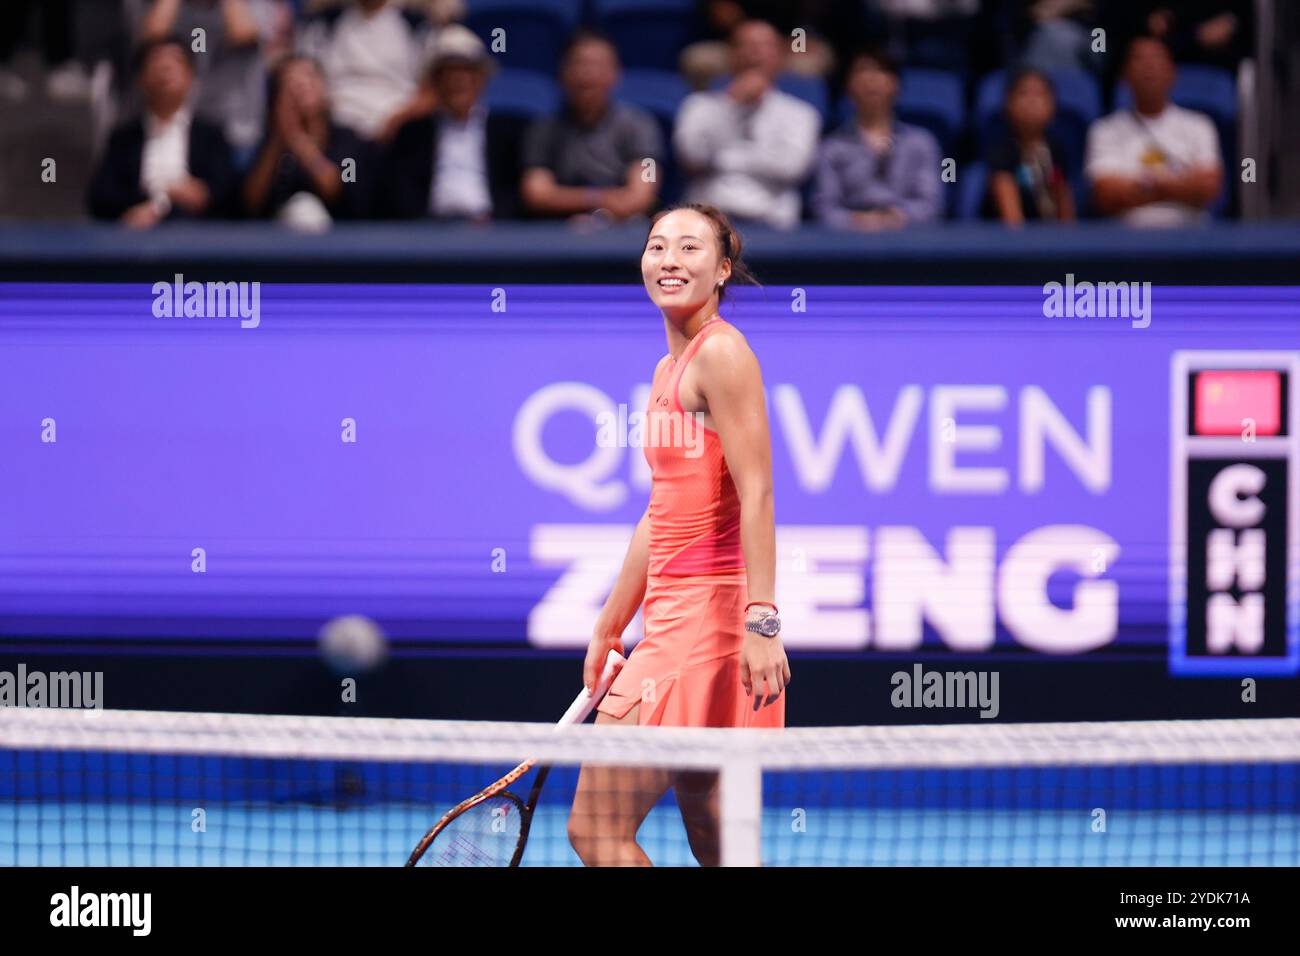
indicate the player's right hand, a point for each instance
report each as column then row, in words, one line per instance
column 597, row 651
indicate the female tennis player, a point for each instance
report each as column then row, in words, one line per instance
column 702, row 558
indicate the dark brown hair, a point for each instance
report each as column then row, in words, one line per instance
column 1022, row 73
column 729, row 241
column 584, row 35
column 275, row 81
column 146, row 49
column 1133, row 41
column 876, row 55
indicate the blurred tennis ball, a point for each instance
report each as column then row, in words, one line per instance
column 352, row 644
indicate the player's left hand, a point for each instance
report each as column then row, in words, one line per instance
column 764, row 668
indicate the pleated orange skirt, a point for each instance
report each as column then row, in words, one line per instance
column 685, row 672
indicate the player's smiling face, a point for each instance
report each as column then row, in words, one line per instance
column 680, row 265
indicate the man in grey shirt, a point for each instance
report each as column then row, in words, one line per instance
column 874, row 172
column 595, row 155
column 749, row 147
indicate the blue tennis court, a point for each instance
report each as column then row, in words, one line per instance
column 237, row 812
column 89, row 835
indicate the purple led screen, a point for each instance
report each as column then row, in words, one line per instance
column 953, row 468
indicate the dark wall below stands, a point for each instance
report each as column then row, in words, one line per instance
column 955, row 253
column 825, row 690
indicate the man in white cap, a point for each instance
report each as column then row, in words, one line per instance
column 461, row 161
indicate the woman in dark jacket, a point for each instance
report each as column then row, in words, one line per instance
column 303, row 151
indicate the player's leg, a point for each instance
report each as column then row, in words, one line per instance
column 719, row 638
column 610, row 804
column 697, row 793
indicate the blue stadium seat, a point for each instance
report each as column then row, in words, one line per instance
column 535, row 30
column 656, row 91
column 522, row 93
column 1082, row 191
column 941, row 44
column 1078, row 103
column 810, row 89
column 972, row 183
column 649, row 34
column 1213, row 91
column 933, row 99
column 659, row 93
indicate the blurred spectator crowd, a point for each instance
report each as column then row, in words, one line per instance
column 859, row 114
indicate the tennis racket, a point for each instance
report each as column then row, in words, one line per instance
column 491, row 827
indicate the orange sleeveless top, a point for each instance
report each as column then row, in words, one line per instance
column 694, row 509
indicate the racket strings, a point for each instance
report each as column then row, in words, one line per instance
column 484, row 835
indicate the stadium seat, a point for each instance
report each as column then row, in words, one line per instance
column 1213, row 91
column 932, row 99
column 535, row 30
column 1082, row 191
column 972, row 183
column 940, row 44
column 649, row 34
column 810, row 89
column 1078, row 103
column 659, row 93
column 522, row 93
column 656, row 91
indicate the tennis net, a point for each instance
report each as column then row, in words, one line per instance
column 142, row 788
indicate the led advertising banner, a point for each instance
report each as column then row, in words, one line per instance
column 1069, row 470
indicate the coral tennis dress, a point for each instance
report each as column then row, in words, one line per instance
column 686, row 671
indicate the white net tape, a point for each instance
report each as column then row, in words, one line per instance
column 933, row 746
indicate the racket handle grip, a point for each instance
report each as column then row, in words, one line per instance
column 585, row 703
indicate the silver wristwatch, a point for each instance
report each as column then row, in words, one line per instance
column 769, row 625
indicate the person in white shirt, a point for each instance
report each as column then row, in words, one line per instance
column 166, row 163
column 372, row 54
column 231, row 70
column 1156, row 164
column 748, row 148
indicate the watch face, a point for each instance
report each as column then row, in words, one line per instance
column 770, row 626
